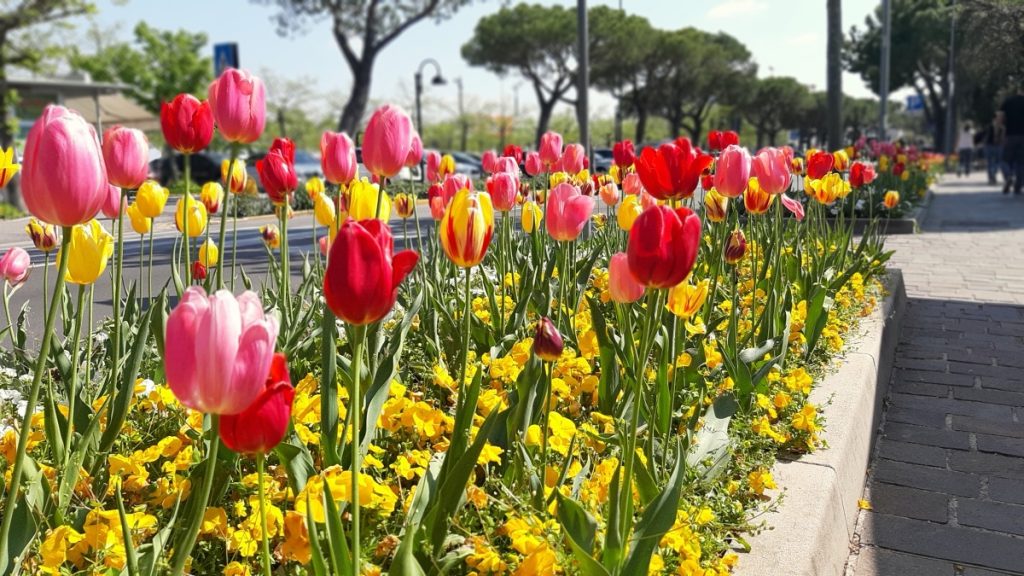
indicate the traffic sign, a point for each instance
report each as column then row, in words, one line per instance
column 224, row 56
column 915, row 103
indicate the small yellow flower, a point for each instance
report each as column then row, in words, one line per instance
column 864, row 504
column 90, row 249
column 8, row 167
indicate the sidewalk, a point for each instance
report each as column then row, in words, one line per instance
column 946, row 484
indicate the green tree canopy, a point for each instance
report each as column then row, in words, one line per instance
column 773, row 104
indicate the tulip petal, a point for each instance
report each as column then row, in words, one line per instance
column 216, row 349
column 402, row 264
column 251, row 367
column 180, row 352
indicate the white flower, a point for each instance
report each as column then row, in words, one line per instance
column 10, row 396
column 147, row 387
column 9, row 372
column 25, row 378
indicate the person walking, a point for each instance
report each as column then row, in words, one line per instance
column 1011, row 117
column 965, row 150
column 995, row 135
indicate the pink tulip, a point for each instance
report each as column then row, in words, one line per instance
column 794, row 206
column 64, row 179
column 621, row 284
column 732, row 171
column 387, row 141
column 647, row 201
column 415, row 151
column 219, row 350
column 433, row 164
column 14, row 266
column 631, row 184
column 572, row 158
column 324, row 243
column 238, row 101
column 453, row 183
column 609, row 194
column 503, row 188
column 567, row 212
column 113, row 200
column 126, row 155
column 534, row 165
column 771, row 167
column 487, row 160
column 508, row 165
column 550, row 148
column 436, row 201
column 338, row 157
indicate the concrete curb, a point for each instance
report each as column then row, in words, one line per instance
column 809, row 533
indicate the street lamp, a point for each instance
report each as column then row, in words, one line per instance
column 437, row 80
column 463, row 124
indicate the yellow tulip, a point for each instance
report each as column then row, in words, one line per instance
column 840, row 160
column 323, row 210
column 271, row 236
column 140, row 223
column 238, row 175
column 90, row 248
column 532, row 216
column 827, row 189
column 8, row 167
column 196, row 216
column 405, row 205
column 362, row 201
column 629, row 210
column 208, row 253
column 43, row 235
column 755, row 199
column 557, row 178
column 892, row 199
column 685, row 299
column 314, row 187
column 716, row 206
column 151, row 198
column 466, row 228
column 211, row 196
column 446, row 166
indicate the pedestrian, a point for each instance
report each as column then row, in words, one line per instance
column 995, row 136
column 1011, row 117
column 965, row 150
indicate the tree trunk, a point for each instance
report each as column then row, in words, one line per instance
column 675, row 125
column 355, row 108
column 641, row 126
column 695, row 129
column 835, row 75
column 544, row 120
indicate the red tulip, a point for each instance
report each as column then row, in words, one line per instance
column 503, row 188
column 513, row 151
column 819, row 164
column 277, row 171
column 415, row 151
column 487, row 160
column 547, row 342
column 714, row 140
column 861, row 174
column 729, row 138
column 573, row 158
column 338, row 157
column 550, row 149
column 771, row 167
column 735, row 247
column 671, row 171
column 238, row 102
column 126, row 154
column 261, row 427
column 363, row 273
column 624, row 154
column 534, row 165
column 663, row 245
column 198, row 271
column 187, row 123
column 387, row 141
column 732, row 171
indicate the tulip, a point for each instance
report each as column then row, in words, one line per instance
column 387, row 141
column 467, row 227
column 771, row 167
column 187, row 123
column 238, row 175
column 622, row 286
column 550, row 149
column 8, row 167
column 323, row 210
column 628, row 211
column 198, row 271
column 362, row 277
column 260, row 428
column 828, row 189
column 534, row 165
column 532, row 216
column 218, row 350
column 507, row 165
column 271, row 236
column 277, row 171
column 487, row 161
column 503, row 188
column 453, row 183
column 671, row 171
column 446, row 167
column 568, row 212
column 415, row 151
column 63, row 179
column 209, row 254
column 716, row 206
column 238, row 102
column 624, row 154
column 435, row 198
column 114, row 203
column 632, row 185
column 795, row 207
column 197, row 217
column 514, row 152
column 126, row 155
column 891, row 200
column 433, row 164
column 609, row 193
column 729, row 138
column 818, row 164
column 572, row 158
column 732, row 171
column 756, row 200
column 405, row 205
column 211, row 195
column 861, row 174
column 90, row 248
column 663, row 246
column 151, row 198
column 314, row 187
column 547, row 342
column 685, row 299
column 43, row 235
column 338, row 158
column 714, row 140
column 840, row 160
column 796, row 166
column 15, row 266
column 735, row 247
column 362, row 201
column 140, row 223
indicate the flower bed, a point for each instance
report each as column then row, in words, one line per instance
column 561, row 387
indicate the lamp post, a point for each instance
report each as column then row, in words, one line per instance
column 437, row 80
column 583, row 79
column 883, row 81
column 463, row 124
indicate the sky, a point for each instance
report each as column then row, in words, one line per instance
column 786, row 37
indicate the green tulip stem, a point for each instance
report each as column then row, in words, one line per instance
column 265, row 552
column 73, row 380
column 285, row 286
column 30, row 405
column 10, row 323
column 224, row 217
column 46, row 279
column 184, row 221
column 149, row 289
column 356, row 409
column 184, row 552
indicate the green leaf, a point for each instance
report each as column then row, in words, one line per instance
column 710, row 449
column 580, row 529
column 655, row 521
column 123, row 396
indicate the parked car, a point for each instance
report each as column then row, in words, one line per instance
column 204, row 167
column 602, row 160
column 468, row 164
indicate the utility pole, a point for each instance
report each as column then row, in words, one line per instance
column 583, row 85
column 950, row 132
column 463, row 124
column 883, row 82
column 835, row 74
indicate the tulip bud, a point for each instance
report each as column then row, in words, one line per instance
column 756, row 200
column 405, row 205
column 631, row 184
column 140, row 223
column 534, row 165
column 567, row 212
column 547, row 342
column 624, row 154
column 43, row 235
column 197, row 216
column 323, row 210
column 572, row 158
column 732, row 171
column 338, row 157
column 209, row 254
column 628, row 211
column 487, row 160
column 610, row 193
column 735, row 247
column 446, row 167
column 271, row 236
column 503, row 187
column 151, row 198
column 435, row 198
column 415, row 151
column 238, row 175
column 198, row 271
column 15, row 266
column 238, row 102
column 532, row 216
column 716, row 206
column 622, row 287
column 363, row 198
column 211, row 196
column 89, row 251
column 550, row 149
column 187, row 123
column 467, row 227
column 314, row 187
column 818, row 164
column 115, row 202
column 514, row 152
column 126, row 155
column 892, row 199
column 386, row 141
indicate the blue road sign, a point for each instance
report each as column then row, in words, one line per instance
column 224, row 56
column 915, row 103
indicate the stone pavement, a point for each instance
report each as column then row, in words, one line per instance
column 947, row 481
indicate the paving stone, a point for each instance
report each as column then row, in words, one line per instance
column 987, row 464
column 881, row 562
column 927, row 436
column 997, row 516
column 911, row 415
column 972, row 571
column 912, row 453
column 989, row 396
column 1006, row 490
column 942, row 541
column 909, row 502
column 1000, row 445
column 1004, row 427
column 928, row 377
column 927, row 478
column 920, row 389
column 955, row 406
